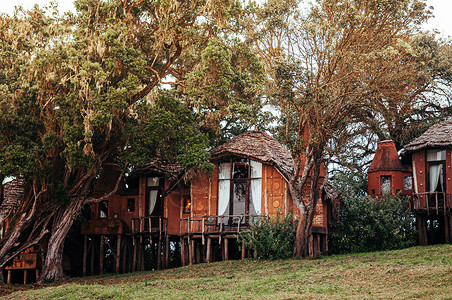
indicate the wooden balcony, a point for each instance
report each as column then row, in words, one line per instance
column 435, row 203
column 216, row 224
column 150, row 224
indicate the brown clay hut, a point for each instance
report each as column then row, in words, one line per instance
column 431, row 162
column 249, row 181
column 386, row 174
column 143, row 216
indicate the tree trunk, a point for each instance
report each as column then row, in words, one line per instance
column 304, row 228
column 53, row 264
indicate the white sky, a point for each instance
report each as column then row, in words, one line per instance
column 442, row 12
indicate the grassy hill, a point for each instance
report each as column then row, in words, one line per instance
column 418, row 272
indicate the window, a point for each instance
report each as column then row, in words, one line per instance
column 103, row 209
column 436, row 160
column 408, row 183
column 239, row 187
column 131, row 205
column 187, row 204
column 386, row 184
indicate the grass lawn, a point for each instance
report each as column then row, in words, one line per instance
column 418, row 272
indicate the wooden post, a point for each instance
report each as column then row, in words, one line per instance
column 191, row 249
column 310, row 248
column 423, row 240
column 85, row 240
column 101, row 255
column 159, row 253
column 209, row 250
column 8, row 280
column 243, row 251
column 182, row 252
column 167, row 249
column 141, row 254
column 450, row 229
column 118, row 253
column 134, row 256
column 226, row 249
column 124, row 255
column 37, row 274
column 92, row 244
column 198, row 247
column 25, row 276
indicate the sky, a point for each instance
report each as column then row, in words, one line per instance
column 442, row 12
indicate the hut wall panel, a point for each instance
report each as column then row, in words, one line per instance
column 200, row 195
column 275, row 191
column 214, row 192
column 374, row 182
column 420, row 169
column 448, row 173
column 173, row 207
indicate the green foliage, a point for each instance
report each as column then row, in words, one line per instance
column 271, row 238
column 371, row 224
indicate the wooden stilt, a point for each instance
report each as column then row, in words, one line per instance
column 226, row 249
column 85, row 241
column 101, row 255
column 25, row 276
column 191, row 250
column 118, row 252
column 166, row 251
column 198, row 250
column 159, row 253
column 134, row 256
column 124, row 255
column 92, row 244
column 37, row 274
column 141, row 254
column 243, row 251
column 422, row 226
column 8, row 280
column 183, row 262
column 209, row 250
column 450, row 228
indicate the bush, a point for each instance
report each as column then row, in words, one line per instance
column 368, row 224
column 271, row 238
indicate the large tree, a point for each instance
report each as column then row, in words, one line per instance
column 328, row 64
column 80, row 90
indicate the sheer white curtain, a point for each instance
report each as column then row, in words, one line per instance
column 435, row 173
column 152, row 200
column 256, row 188
column 224, row 187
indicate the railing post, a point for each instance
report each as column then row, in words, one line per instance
column 436, row 198
column 202, row 231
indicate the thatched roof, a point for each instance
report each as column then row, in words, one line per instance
column 386, row 158
column 437, row 136
column 159, row 166
column 258, row 146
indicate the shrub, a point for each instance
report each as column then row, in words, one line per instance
column 368, row 224
column 271, row 238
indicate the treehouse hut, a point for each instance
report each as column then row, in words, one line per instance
column 141, row 218
column 249, row 181
column 430, row 156
column 386, row 174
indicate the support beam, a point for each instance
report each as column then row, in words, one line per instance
column 85, row 241
column 124, row 255
column 8, row 280
column 183, row 262
column 167, row 249
column 209, row 250
column 226, row 249
column 25, row 276
column 92, row 244
column 422, row 227
column 101, row 255
column 134, row 256
column 118, row 253
column 159, row 253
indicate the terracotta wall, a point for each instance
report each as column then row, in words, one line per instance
column 397, row 182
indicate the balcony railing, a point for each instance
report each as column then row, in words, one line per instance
column 217, row 224
column 149, row 224
column 432, row 202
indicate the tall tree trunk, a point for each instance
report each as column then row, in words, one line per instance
column 53, row 263
column 307, row 213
